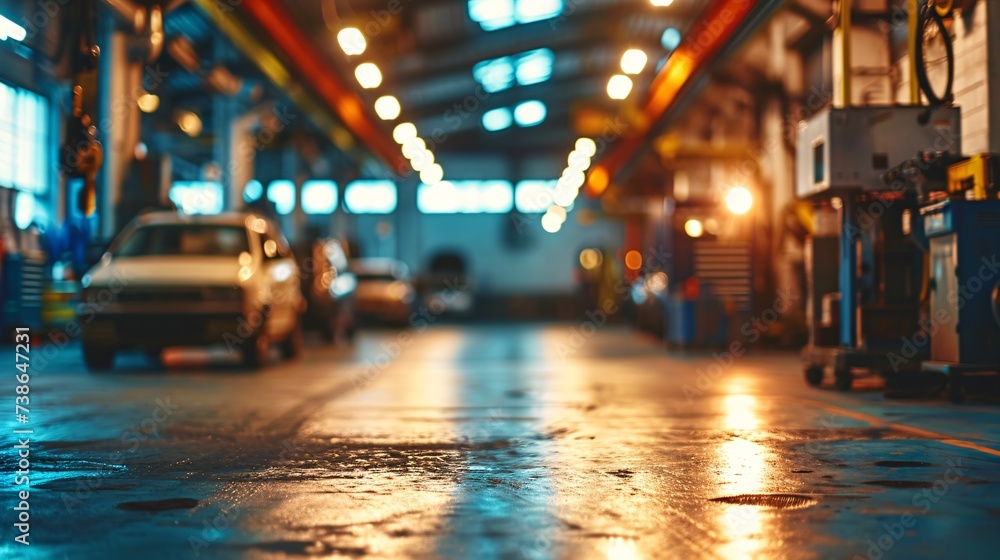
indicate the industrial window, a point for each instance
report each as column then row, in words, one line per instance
column 498, row 14
column 525, row 69
column 466, row 197
column 318, row 197
column 282, row 194
column 197, row 197
column 534, row 197
column 371, row 197
column 25, row 154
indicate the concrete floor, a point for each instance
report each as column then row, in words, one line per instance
column 497, row 442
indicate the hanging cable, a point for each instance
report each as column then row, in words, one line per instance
column 930, row 19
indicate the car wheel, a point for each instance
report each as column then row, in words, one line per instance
column 291, row 348
column 98, row 358
column 843, row 379
column 256, row 350
column 330, row 331
column 814, row 375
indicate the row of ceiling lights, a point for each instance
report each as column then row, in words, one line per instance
column 387, row 107
column 633, row 62
column 568, row 186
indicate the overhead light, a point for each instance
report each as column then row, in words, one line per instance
column 422, row 160
column 578, row 161
column 530, row 113
column 557, row 211
column 694, row 228
column 575, row 179
column 404, row 132
column 739, row 200
column 551, row 223
column 565, row 194
column 368, row 75
column 148, row 102
column 352, row 41
column 661, row 3
column 671, row 38
column 189, row 122
column 633, row 61
column 591, row 258
column 619, row 86
column 387, row 108
column 433, row 175
column 498, row 119
column 412, row 146
column 9, row 29
column 633, row 260
column 587, row 147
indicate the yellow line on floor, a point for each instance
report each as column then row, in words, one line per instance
column 918, row 432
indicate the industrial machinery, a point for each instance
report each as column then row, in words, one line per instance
column 964, row 232
column 22, row 265
column 865, row 269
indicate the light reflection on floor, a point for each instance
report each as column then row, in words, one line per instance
column 742, row 469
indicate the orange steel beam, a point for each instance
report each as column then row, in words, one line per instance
column 328, row 84
column 702, row 44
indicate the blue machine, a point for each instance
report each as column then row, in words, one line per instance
column 965, row 289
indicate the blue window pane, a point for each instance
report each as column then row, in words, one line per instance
column 197, row 197
column 495, row 197
column 253, row 191
column 318, row 197
column 371, row 197
column 534, row 197
column 282, row 194
column 466, row 197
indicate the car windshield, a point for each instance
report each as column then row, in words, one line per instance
column 184, row 239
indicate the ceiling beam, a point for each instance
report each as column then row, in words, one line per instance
column 723, row 25
column 330, row 86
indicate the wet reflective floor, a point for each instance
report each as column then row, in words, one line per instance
column 498, row 442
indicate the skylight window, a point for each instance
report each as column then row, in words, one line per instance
column 532, row 67
column 495, row 75
column 498, row 119
column 498, row 14
column 530, row 113
column 492, row 14
column 527, row 11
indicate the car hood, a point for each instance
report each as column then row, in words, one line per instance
column 168, row 271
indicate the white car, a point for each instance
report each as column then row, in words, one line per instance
column 175, row 280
